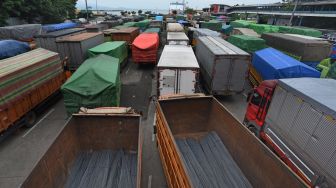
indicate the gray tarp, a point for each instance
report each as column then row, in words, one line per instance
column 24, row 32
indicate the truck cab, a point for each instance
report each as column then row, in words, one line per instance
column 259, row 100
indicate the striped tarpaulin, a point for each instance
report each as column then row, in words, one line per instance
column 25, row 72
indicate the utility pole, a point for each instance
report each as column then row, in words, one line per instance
column 294, row 9
column 87, row 11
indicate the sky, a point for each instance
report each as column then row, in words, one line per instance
column 164, row 4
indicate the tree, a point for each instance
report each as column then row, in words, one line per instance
column 139, row 12
column 44, row 11
column 189, row 11
column 9, row 8
column 133, row 12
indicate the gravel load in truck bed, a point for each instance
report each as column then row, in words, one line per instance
column 103, row 169
column 210, row 164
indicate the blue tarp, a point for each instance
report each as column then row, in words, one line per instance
column 10, row 48
column 273, row 64
column 159, row 18
column 57, row 27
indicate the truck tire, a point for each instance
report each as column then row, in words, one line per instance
column 30, row 119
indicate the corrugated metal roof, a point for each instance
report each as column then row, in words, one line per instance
column 79, row 37
column 320, row 93
column 177, row 36
column 219, row 46
column 178, row 56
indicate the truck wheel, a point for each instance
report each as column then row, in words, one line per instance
column 30, row 119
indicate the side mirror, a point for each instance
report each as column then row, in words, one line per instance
column 249, row 96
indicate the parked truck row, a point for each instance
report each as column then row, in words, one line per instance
column 199, row 141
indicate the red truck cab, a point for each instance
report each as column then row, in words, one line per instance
column 258, row 102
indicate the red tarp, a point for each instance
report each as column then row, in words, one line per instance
column 145, row 48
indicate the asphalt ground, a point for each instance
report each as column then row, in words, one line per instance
column 21, row 151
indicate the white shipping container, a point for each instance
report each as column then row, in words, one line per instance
column 223, row 65
column 177, row 38
column 178, row 70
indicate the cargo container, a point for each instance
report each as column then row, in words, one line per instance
column 145, row 48
column 25, row 32
column 111, row 23
column 194, row 33
column 123, row 34
column 48, row 40
column 296, row 117
column 174, row 27
column 117, row 49
column 94, row 28
column 192, row 120
column 156, row 24
column 177, row 38
column 75, row 47
column 245, row 31
column 96, row 83
column 269, row 63
column 178, row 70
column 223, row 66
column 96, row 148
column 26, row 81
column 307, row 49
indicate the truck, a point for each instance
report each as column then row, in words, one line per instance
column 296, row 118
column 234, row 157
column 178, row 70
column 223, row 66
column 177, row 38
column 307, row 49
column 27, row 81
column 91, row 141
column 269, row 64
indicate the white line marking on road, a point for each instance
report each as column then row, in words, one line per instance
column 153, row 137
column 45, row 116
column 149, row 181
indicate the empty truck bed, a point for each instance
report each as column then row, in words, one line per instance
column 92, row 150
column 234, row 156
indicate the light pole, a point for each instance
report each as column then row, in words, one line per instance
column 87, row 11
column 294, row 9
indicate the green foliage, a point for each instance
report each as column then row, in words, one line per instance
column 45, row 11
column 139, row 12
column 189, row 11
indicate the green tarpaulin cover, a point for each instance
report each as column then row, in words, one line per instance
column 213, row 25
column 301, row 31
column 142, row 24
column 264, row 28
column 117, row 49
column 130, row 24
column 247, row 43
column 96, row 83
column 121, row 26
column 240, row 24
column 153, row 30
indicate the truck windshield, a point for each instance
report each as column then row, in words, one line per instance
column 256, row 98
